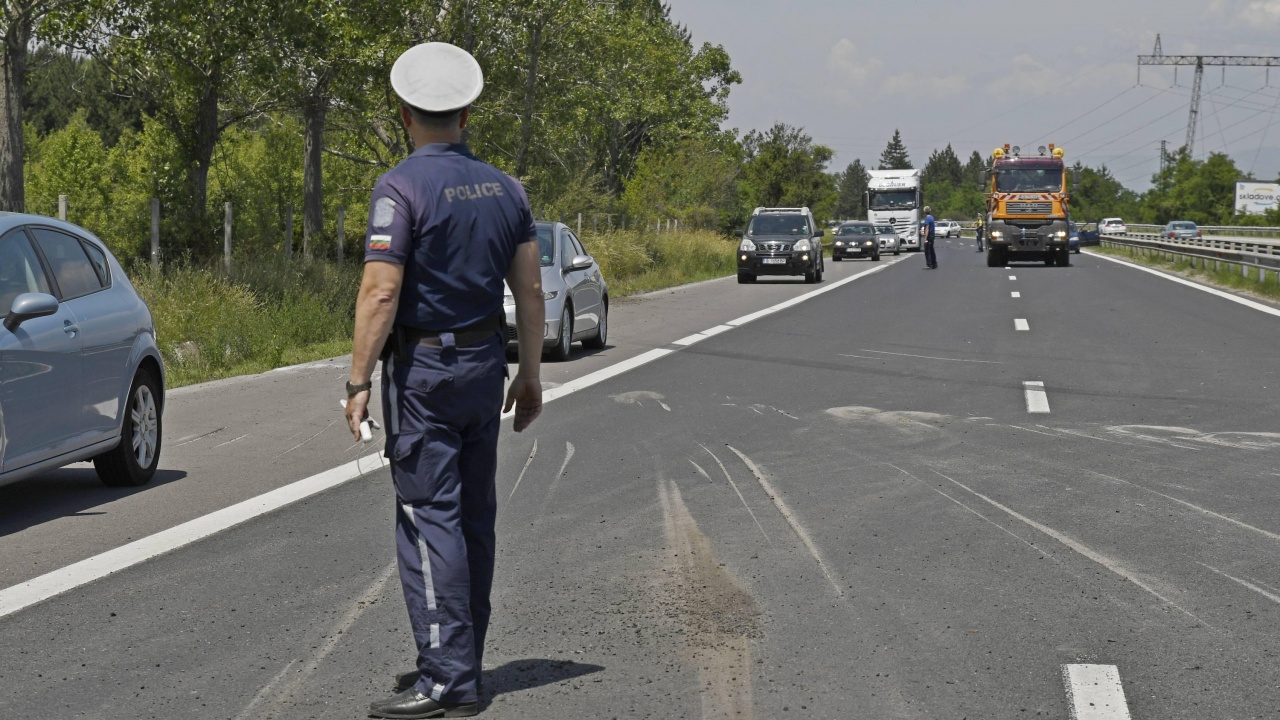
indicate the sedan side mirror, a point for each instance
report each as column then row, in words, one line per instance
column 580, row 262
column 27, row 306
column 820, row 233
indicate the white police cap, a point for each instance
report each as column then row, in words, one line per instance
column 437, row 77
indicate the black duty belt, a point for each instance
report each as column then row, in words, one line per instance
column 474, row 334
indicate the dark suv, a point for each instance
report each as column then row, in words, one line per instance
column 781, row 241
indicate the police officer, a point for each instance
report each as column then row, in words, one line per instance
column 444, row 230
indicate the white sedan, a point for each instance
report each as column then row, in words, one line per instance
column 1112, row 226
column 947, row 229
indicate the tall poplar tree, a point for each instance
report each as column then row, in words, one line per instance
column 894, row 156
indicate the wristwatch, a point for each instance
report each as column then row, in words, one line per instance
column 353, row 389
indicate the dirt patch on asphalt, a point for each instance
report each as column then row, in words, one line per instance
column 718, row 616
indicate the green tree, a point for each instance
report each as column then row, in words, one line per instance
column 1202, row 191
column 894, row 156
column 1099, row 194
column 943, row 167
column 785, row 168
column 696, row 182
column 60, row 83
column 851, row 192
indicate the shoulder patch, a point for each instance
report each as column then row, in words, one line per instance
column 384, row 212
column 380, row 242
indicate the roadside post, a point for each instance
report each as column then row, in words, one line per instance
column 62, row 208
column 342, row 220
column 155, row 233
column 226, row 240
column 288, row 231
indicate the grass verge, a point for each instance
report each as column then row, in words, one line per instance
column 1226, row 279
column 270, row 313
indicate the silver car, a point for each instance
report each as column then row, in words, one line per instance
column 888, row 239
column 80, row 374
column 1181, row 230
column 576, row 293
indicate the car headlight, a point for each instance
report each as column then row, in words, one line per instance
column 747, row 246
column 869, row 242
column 550, row 294
column 997, row 234
column 839, row 243
column 802, row 246
column 1061, row 234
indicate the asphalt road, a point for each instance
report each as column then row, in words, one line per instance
column 844, row 508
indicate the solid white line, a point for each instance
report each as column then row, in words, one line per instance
column 1270, row 596
column 1037, row 399
column 38, row 589
column 691, row 339
column 1021, row 324
column 26, row 594
column 928, row 357
column 1017, row 294
column 1204, row 288
column 1094, row 692
column 797, row 300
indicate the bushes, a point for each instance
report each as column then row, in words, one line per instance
column 267, row 315
column 638, row 260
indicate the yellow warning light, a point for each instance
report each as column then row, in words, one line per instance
column 1058, row 153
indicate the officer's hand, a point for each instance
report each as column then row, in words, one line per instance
column 526, row 395
column 357, row 411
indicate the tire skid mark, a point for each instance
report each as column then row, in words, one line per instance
column 1077, row 546
column 190, row 439
column 738, row 492
column 313, row 437
column 791, row 519
column 1245, row 583
column 634, row 398
column 532, row 454
column 718, row 615
column 287, row 688
column 698, row 467
column 986, row 519
column 1193, row 506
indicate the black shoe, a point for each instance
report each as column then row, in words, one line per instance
column 413, row 705
column 406, row 680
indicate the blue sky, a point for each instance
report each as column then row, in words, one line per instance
column 980, row 73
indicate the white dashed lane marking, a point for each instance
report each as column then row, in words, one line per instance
column 1094, row 692
column 1020, row 324
column 1037, row 398
column 1017, row 294
column 1013, row 277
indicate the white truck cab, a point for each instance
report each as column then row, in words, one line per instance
column 894, row 197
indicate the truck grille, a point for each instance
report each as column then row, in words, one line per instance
column 774, row 247
column 1029, row 208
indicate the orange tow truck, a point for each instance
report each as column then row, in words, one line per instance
column 1027, row 207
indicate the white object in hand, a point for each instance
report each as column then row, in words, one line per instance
column 367, row 426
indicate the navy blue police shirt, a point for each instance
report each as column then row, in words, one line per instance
column 454, row 223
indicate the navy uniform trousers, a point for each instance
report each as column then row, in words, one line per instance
column 442, row 408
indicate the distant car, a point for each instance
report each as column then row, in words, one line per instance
column 888, row 239
column 81, row 377
column 1073, row 239
column 947, row 229
column 858, row 239
column 1112, row 226
column 576, row 294
column 1181, row 230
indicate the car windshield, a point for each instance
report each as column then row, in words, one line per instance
column 893, row 199
column 856, row 230
column 546, row 248
column 885, row 229
column 779, row 225
column 1028, row 180
column 1113, row 222
column 1183, row 226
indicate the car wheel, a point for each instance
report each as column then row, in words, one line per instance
column 837, row 258
column 896, row 252
column 811, row 277
column 1048, row 261
column 560, row 352
column 994, row 259
column 744, row 278
column 1064, row 258
column 875, row 258
column 602, row 330
column 133, row 462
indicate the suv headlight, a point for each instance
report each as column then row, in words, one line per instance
column 802, row 246
column 747, row 246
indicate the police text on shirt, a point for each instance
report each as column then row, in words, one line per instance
column 473, row 192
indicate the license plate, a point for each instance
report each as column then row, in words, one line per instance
column 774, row 261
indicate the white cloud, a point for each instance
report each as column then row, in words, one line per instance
column 844, row 62
column 1029, row 77
column 924, row 87
column 1265, row 13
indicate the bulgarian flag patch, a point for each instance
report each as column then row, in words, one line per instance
column 379, row 243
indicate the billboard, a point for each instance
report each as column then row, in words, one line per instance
column 1254, row 198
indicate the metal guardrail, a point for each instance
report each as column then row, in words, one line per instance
column 1254, row 257
column 1222, row 230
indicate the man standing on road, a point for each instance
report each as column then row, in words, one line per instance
column 978, row 228
column 927, row 227
column 444, row 230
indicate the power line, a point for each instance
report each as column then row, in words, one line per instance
column 1111, row 120
column 1084, row 114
